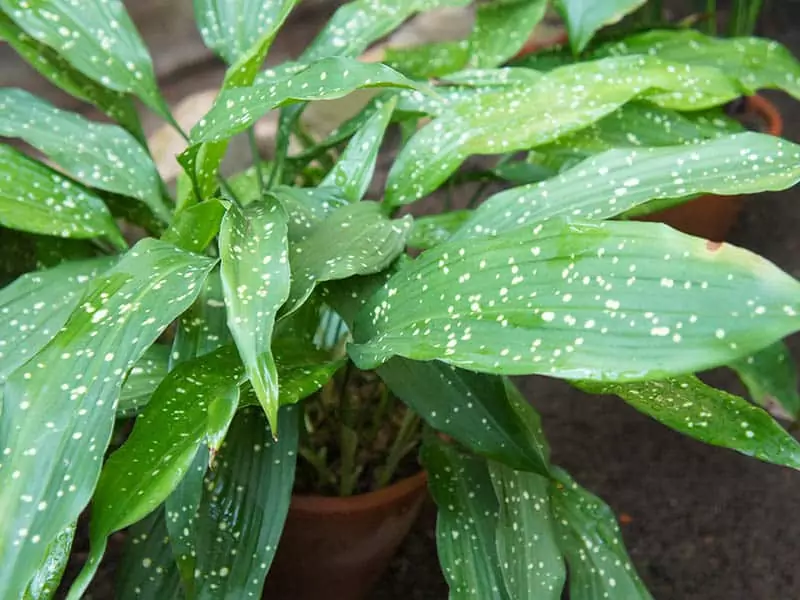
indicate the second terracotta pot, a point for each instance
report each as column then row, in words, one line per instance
column 338, row 547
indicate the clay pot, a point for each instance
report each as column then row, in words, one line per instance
column 709, row 216
column 339, row 547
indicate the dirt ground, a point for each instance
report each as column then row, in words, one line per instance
column 706, row 523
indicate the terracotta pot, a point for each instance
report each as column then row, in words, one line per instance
column 338, row 547
column 709, row 216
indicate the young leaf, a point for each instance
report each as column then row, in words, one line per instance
column 755, row 62
column 101, row 156
column 139, row 476
column 237, row 109
column 59, row 407
column 244, row 505
column 353, row 171
column 196, row 226
column 356, row 239
column 432, row 230
column 553, row 299
column 617, row 181
column 771, row 378
column 36, row 305
column 45, row 582
column 589, row 537
column 467, row 517
column 253, row 246
column 357, row 24
column 98, row 38
column 58, row 71
column 506, row 119
column 709, row 415
column 585, row 17
column 529, row 558
column 37, row 199
column 147, row 569
column 142, row 380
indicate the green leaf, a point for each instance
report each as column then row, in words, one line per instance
column 707, row 414
column 509, row 118
column 253, row 246
column 589, row 537
column 58, row 71
column 353, row 171
column 302, row 369
column 552, row 300
column 46, row 580
column 142, row 380
column 147, row 569
column 98, row 38
column 36, row 305
column 476, row 409
column 354, row 26
column 244, row 505
column 307, row 207
column 183, row 412
column 38, row 199
column 432, row 230
column 501, row 28
column 101, row 156
column 771, row 378
column 237, row 109
column 529, row 558
column 196, row 226
column 617, row 181
column 754, row 62
column 59, row 408
column 428, row 60
column 356, row 239
column 585, row 17
column 465, row 528
column 233, row 29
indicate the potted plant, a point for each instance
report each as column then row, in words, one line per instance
column 266, row 280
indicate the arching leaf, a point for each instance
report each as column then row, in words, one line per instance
column 585, row 17
column 142, row 380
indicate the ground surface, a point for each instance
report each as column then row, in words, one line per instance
column 707, row 524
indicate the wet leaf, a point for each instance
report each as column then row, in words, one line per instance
column 552, row 299
column 184, row 412
column 58, row 71
column 353, row 172
column 147, row 569
column 237, row 109
column 142, row 380
column 35, row 306
column 617, row 181
column 509, row 118
column 37, row 199
column 356, row 239
column 98, row 38
column 771, row 378
column 756, row 63
column 100, row 155
column 196, row 226
column 59, row 407
column 710, row 415
column 585, row 17
column 529, row 558
column 432, row 230
column 589, row 537
column 467, row 518
column 253, row 246
column 244, row 505
column 47, row 578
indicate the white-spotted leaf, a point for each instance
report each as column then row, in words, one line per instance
column 307, row 207
column 501, row 28
column 618, row 181
column 195, row 227
column 429, row 231
column 253, row 246
column 59, row 407
column 585, row 17
column 142, row 380
column 707, row 414
column 38, row 199
column 44, row 584
column 100, row 155
column 551, row 299
column 98, row 38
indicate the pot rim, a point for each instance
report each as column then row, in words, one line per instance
column 767, row 111
column 328, row 505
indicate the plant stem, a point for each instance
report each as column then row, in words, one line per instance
column 400, row 447
column 251, row 136
column 347, row 444
column 711, row 17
